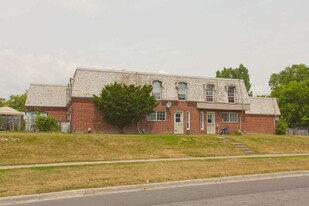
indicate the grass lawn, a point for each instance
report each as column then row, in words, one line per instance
column 274, row 144
column 27, row 148
column 41, row 180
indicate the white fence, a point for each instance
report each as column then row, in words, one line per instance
column 298, row 131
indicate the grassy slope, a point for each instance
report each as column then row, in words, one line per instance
column 26, row 148
column 40, row 180
column 274, row 144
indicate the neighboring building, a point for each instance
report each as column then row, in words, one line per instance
column 187, row 105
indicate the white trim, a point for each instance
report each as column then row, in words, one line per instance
column 213, row 124
column 156, row 119
column 202, row 120
column 188, row 120
column 229, row 118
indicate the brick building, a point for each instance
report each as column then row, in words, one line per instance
column 187, row 105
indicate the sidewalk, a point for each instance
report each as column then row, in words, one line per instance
column 146, row 160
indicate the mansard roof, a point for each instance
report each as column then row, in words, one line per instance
column 263, row 106
column 90, row 81
column 40, row 95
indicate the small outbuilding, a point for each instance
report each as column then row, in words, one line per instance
column 10, row 119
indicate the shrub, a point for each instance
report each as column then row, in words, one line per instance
column 46, row 124
column 238, row 132
column 281, row 127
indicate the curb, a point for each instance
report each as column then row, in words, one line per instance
column 140, row 187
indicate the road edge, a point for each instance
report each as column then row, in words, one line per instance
column 147, row 186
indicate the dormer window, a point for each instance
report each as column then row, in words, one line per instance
column 210, row 92
column 156, row 89
column 231, row 94
column 182, row 91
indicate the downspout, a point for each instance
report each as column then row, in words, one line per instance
column 275, row 120
column 137, row 84
column 243, row 107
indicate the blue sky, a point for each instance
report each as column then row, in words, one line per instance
column 43, row 41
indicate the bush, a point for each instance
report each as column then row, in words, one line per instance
column 46, row 124
column 281, row 127
column 238, row 132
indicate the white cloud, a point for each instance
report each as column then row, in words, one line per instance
column 85, row 7
column 19, row 70
column 260, row 90
column 14, row 8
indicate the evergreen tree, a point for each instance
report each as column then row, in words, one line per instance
column 123, row 104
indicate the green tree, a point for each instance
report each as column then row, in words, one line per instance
column 2, row 101
column 291, row 88
column 123, row 104
column 238, row 73
column 281, row 127
column 17, row 102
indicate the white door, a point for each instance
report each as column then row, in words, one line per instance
column 211, row 123
column 178, row 123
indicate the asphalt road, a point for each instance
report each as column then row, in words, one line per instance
column 268, row 192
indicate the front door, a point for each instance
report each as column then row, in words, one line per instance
column 211, row 123
column 178, row 123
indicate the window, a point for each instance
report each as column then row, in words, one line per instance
column 156, row 89
column 210, row 93
column 188, row 121
column 210, row 119
column 231, row 94
column 202, row 120
column 157, row 116
column 182, row 91
column 178, row 117
column 229, row 117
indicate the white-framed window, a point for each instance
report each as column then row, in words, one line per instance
column 182, row 91
column 188, row 121
column 157, row 116
column 210, row 92
column 157, row 89
column 229, row 117
column 210, row 118
column 231, row 94
column 202, row 120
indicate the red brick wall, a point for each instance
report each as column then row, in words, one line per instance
column 263, row 124
column 60, row 113
column 167, row 126
column 86, row 115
